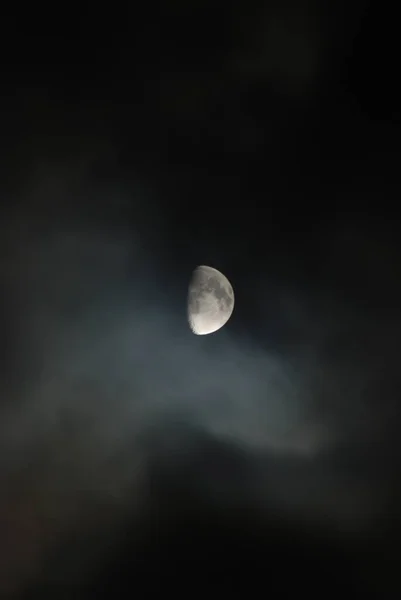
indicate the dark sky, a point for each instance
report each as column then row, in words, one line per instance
column 261, row 138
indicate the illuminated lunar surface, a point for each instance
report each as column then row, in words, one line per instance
column 210, row 300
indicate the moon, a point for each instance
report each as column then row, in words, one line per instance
column 210, row 300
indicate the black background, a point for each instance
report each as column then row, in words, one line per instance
column 259, row 138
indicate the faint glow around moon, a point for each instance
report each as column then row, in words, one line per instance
column 210, row 300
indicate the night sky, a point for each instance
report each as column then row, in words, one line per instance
column 137, row 459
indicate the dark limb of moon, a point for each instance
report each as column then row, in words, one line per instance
column 210, row 300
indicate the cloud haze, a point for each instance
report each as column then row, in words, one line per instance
column 104, row 358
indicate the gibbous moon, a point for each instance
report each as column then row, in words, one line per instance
column 210, row 300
